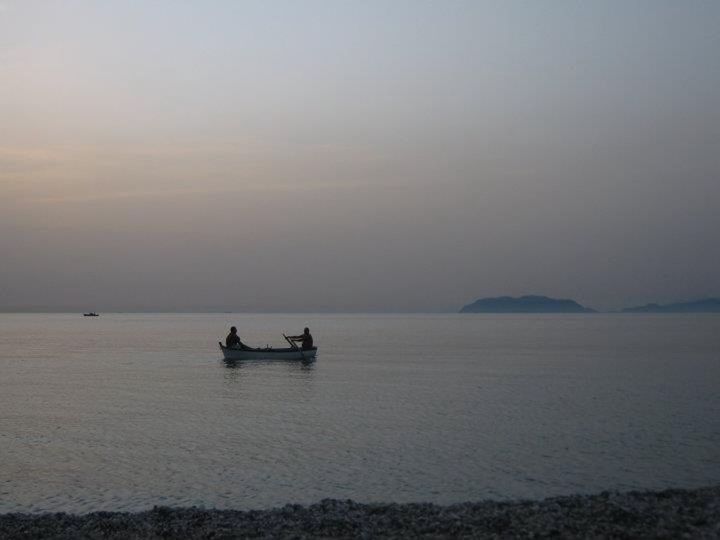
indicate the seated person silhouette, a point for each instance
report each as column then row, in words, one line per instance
column 233, row 340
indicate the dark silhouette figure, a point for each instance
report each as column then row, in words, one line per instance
column 305, row 338
column 232, row 339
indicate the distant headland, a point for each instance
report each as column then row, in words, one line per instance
column 706, row 305
column 525, row 304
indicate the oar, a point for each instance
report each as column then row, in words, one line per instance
column 292, row 344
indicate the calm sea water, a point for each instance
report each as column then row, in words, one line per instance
column 122, row 412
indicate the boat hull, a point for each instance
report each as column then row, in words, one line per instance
column 232, row 353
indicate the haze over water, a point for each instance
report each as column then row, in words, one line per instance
column 124, row 411
column 357, row 156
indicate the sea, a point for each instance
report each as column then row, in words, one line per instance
column 129, row 411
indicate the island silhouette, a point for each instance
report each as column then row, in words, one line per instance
column 525, row 304
column 705, row 305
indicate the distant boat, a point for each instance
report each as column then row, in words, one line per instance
column 91, row 314
column 268, row 353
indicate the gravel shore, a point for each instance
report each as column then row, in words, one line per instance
column 664, row 514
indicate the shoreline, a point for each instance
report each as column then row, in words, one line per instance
column 672, row 513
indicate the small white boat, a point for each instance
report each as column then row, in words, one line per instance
column 246, row 353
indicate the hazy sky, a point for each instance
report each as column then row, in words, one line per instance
column 357, row 156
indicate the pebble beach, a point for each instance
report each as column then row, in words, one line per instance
column 675, row 513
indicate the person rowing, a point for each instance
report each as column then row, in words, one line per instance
column 305, row 338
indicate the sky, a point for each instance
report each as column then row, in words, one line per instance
column 365, row 156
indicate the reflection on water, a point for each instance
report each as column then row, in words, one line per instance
column 121, row 418
column 235, row 369
column 304, row 365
